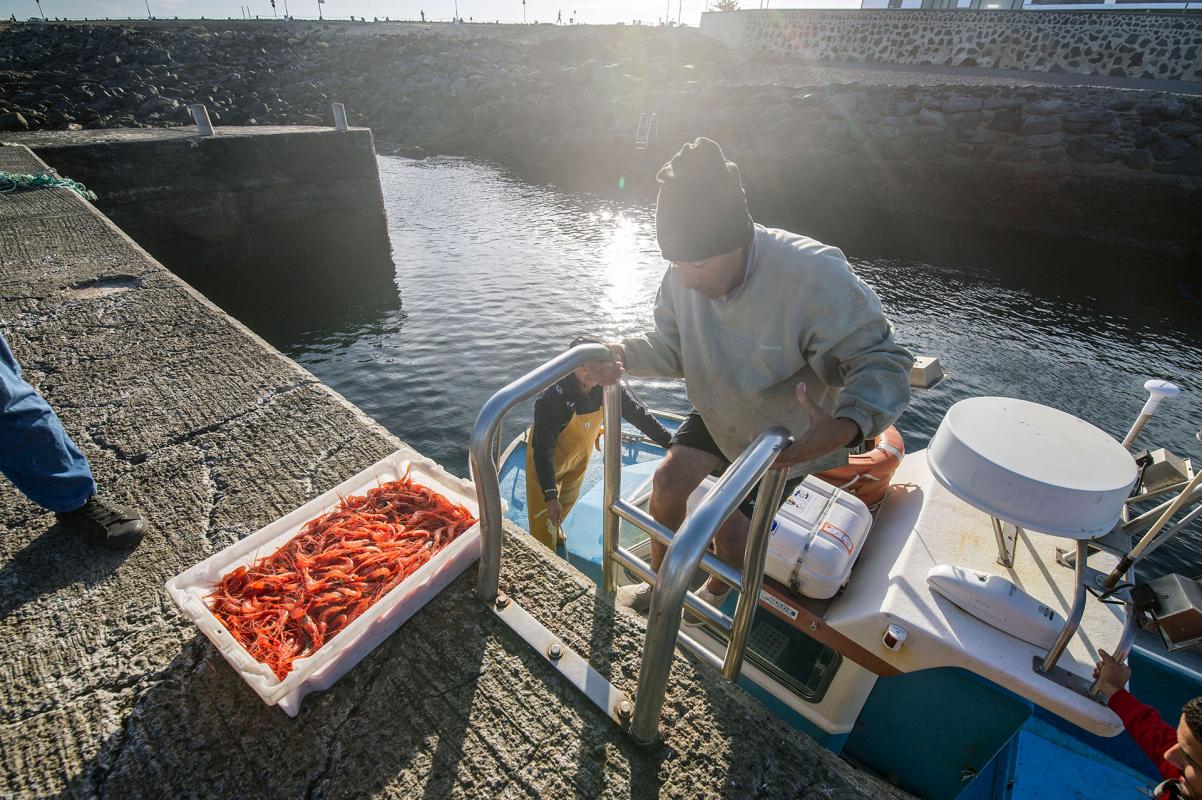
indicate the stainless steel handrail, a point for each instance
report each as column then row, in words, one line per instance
column 685, row 554
column 1076, row 611
column 686, row 548
column 484, row 469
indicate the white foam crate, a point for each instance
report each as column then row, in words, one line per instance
column 336, row 657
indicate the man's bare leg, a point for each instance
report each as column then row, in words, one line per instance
column 680, row 473
column 731, row 544
column 677, row 476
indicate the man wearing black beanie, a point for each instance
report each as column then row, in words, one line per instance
column 766, row 328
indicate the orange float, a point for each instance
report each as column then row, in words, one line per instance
column 867, row 474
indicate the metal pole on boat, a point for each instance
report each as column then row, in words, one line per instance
column 1126, row 638
column 1075, row 613
column 1173, row 531
column 1139, row 550
column 480, row 453
column 612, row 483
column 772, row 488
column 1158, row 390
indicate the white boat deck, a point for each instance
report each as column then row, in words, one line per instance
column 921, row 525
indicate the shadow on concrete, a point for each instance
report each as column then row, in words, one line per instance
column 399, row 720
column 57, row 558
column 454, row 704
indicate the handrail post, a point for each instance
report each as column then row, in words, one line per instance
column 480, row 453
column 1123, row 648
column 679, row 564
column 1075, row 613
column 613, row 484
column 772, row 488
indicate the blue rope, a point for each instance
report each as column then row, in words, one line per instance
column 20, row 181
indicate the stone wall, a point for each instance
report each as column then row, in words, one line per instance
column 242, row 213
column 1115, row 166
column 1135, row 45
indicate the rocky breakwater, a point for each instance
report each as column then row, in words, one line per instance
column 539, row 103
column 1110, row 165
column 562, row 104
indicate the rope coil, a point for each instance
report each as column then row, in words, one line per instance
column 20, row 181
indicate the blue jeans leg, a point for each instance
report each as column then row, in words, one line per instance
column 35, row 452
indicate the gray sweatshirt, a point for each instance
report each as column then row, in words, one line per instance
column 800, row 315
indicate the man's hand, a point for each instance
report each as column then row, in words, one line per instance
column 611, row 373
column 826, row 434
column 1110, row 674
column 555, row 512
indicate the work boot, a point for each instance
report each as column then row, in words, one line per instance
column 715, row 600
column 108, row 525
column 635, row 596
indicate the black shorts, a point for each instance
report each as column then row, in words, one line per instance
column 693, row 433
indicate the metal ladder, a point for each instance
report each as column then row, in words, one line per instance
column 686, row 551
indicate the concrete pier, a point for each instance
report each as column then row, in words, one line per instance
column 242, row 212
column 105, row 691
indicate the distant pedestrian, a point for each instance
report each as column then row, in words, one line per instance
column 45, row 465
column 423, row 15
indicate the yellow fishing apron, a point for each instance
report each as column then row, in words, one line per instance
column 572, row 450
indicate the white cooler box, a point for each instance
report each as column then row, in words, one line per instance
column 816, row 537
column 320, row 670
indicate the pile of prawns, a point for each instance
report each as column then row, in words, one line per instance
column 286, row 605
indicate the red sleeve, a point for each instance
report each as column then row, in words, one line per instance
column 1148, row 730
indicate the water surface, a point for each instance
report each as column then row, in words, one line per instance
column 496, row 275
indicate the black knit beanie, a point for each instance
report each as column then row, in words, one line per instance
column 701, row 211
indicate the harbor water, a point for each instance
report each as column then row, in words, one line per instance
column 495, row 275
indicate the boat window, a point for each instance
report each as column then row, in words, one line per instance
column 791, row 658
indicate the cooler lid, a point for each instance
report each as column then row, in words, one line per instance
column 1032, row 466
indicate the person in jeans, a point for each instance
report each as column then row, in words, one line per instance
column 40, row 459
column 767, row 328
column 1177, row 754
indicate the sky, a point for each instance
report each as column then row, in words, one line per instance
column 586, row 11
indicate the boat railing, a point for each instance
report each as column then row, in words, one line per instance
column 685, row 552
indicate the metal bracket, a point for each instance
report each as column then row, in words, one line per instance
column 1117, row 543
column 1006, row 535
column 1094, row 578
column 1069, row 680
column 616, row 704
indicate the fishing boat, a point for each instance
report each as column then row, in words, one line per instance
column 954, row 653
